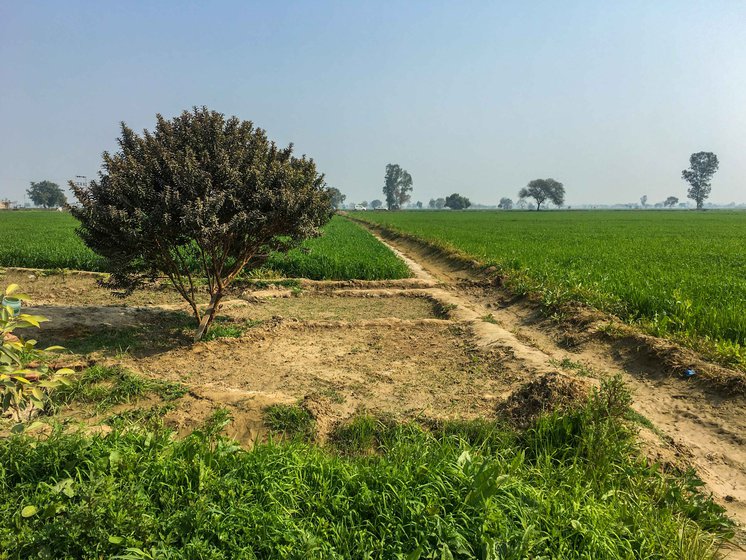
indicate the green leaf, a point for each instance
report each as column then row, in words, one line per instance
column 29, row 511
column 116, row 540
column 114, row 458
column 12, row 288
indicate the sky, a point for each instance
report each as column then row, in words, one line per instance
column 610, row 98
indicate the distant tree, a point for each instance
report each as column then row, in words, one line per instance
column 397, row 186
column 337, row 198
column 683, row 205
column 544, row 189
column 671, row 201
column 457, row 202
column 702, row 166
column 644, row 201
column 199, row 198
column 364, row 204
column 418, row 204
column 46, row 194
column 658, row 205
column 376, row 204
column 521, row 203
column 505, row 203
column 440, row 203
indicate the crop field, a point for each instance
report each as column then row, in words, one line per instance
column 678, row 273
column 345, row 251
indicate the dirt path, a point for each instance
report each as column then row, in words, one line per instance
column 695, row 426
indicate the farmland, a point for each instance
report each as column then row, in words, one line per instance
column 679, row 274
column 48, row 240
column 385, row 419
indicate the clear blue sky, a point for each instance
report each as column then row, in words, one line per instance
column 476, row 97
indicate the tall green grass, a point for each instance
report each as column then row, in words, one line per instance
column 37, row 239
column 572, row 486
column 681, row 273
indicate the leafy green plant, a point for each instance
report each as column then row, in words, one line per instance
column 25, row 379
column 458, row 490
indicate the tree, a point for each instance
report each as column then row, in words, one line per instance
column 46, row 194
column 671, row 201
column 397, row 186
column 440, row 203
column 337, row 198
column 457, row 202
column 364, row 204
column 702, row 166
column 200, row 197
column 505, row 203
column 644, row 200
column 418, row 204
column 376, row 204
column 521, row 203
column 544, row 189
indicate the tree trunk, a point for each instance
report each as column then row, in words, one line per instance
column 209, row 315
column 538, row 206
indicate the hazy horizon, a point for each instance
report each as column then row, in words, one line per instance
column 472, row 98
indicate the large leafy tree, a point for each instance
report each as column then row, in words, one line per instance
column 457, row 202
column 201, row 196
column 46, row 194
column 544, row 189
column 337, row 197
column 702, row 166
column 671, row 201
column 505, row 203
column 397, row 186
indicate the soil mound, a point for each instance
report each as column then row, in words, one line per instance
column 550, row 392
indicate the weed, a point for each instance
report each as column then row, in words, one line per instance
column 291, row 421
column 104, row 387
column 457, row 490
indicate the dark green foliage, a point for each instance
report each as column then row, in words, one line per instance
column 457, row 202
column 199, row 189
column 46, row 194
column 397, row 186
column 459, row 490
column 702, row 166
column 544, row 189
column 336, row 197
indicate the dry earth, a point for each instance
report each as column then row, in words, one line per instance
column 445, row 344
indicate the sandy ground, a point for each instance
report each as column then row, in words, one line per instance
column 445, row 344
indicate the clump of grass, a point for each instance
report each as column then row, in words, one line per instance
column 104, row 387
column 290, row 420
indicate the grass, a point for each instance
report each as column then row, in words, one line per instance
column 290, row 421
column 679, row 274
column 344, row 252
column 571, row 486
column 104, row 387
